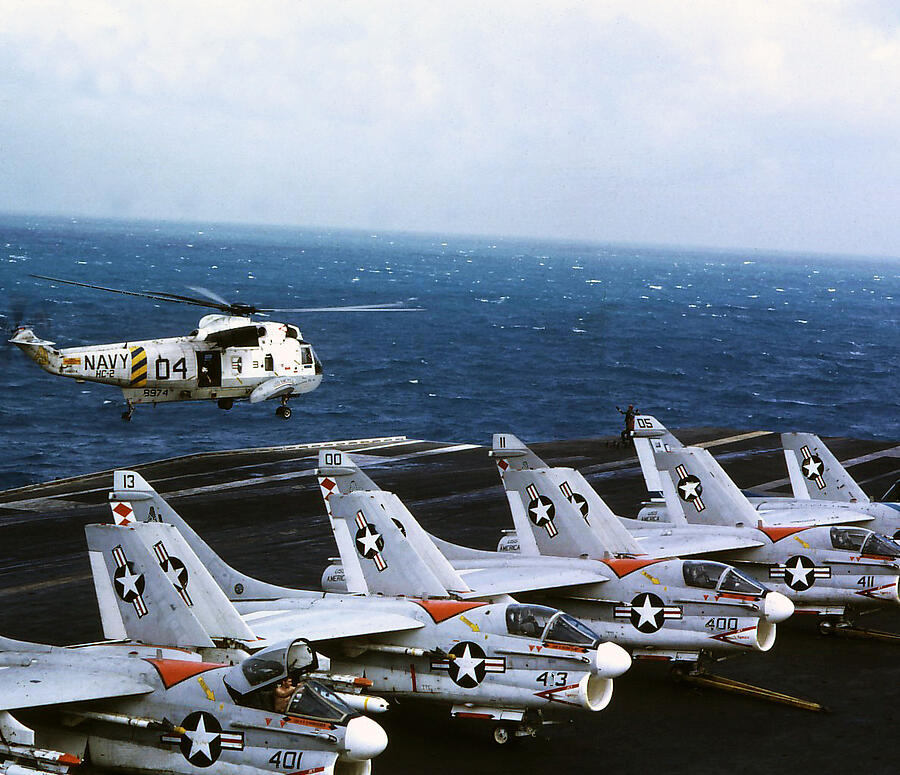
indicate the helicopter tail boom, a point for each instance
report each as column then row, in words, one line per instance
column 41, row 351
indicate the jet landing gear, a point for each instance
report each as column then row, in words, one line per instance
column 129, row 410
column 284, row 411
column 697, row 676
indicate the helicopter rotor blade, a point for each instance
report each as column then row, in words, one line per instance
column 352, row 308
column 156, row 296
column 210, row 295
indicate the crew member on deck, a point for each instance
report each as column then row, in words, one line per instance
column 630, row 413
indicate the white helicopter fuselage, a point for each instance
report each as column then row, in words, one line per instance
column 227, row 357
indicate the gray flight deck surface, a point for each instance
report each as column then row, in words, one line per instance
column 261, row 510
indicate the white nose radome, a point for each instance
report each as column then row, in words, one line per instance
column 365, row 739
column 777, row 607
column 612, row 661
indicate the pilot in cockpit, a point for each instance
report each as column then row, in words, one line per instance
column 282, row 694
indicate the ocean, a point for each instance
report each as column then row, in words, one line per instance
column 536, row 337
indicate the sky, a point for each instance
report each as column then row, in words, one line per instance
column 769, row 125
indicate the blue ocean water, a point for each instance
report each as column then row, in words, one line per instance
column 541, row 338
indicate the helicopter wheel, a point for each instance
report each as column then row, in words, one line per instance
column 126, row 415
column 225, row 403
column 284, row 412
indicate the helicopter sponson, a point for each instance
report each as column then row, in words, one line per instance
column 227, row 358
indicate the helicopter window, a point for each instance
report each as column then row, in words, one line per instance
column 700, row 573
column 528, row 620
column 306, row 355
column 881, row 545
column 735, row 581
column 850, row 538
column 315, row 700
column 292, row 332
column 569, row 631
column 243, row 336
column 270, row 363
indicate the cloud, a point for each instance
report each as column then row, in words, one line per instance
column 651, row 121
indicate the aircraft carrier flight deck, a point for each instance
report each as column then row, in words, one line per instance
column 262, row 511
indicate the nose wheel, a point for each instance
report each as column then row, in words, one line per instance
column 129, row 410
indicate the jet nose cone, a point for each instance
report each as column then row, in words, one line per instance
column 777, row 607
column 365, row 739
column 612, row 660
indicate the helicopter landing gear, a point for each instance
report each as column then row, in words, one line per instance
column 225, row 403
column 129, row 410
column 284, row 411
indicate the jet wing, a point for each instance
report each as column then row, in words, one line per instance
column 524, row 578
column 34, row 685
column 684, row 542
column 497, row 573
column 276, row 625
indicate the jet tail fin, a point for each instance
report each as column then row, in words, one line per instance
column 649, row 436
column 149, row 607
column 134, row 500
column 698, row 490
column 338, row 472
column 815, row 473
column 383, row 547
column 555, row 510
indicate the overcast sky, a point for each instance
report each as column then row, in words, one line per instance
column 752, row 124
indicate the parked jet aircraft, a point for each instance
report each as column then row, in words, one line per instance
column 818, row 479
column 229, row 356
column 149, row 709
column 816, row 567
column 651, row 436
column 480, row 658
column 658, row 608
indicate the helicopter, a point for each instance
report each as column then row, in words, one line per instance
column 229, row 356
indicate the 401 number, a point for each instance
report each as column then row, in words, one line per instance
column 286, row 760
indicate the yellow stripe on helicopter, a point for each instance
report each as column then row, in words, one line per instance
column 138, row 367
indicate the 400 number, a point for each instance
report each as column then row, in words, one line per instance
column 722, row 623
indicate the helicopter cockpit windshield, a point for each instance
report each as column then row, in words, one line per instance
column 549, row 625
column 723, row 578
